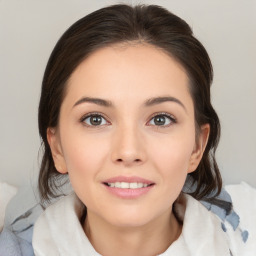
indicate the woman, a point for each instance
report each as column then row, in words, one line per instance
column 125, row 112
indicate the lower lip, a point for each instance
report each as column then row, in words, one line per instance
column 128, row 193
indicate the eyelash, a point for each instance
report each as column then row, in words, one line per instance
column 171, row 118
column 89, row 115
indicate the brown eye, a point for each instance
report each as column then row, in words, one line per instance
column 162, row 120
column 159, row 120
column 94, row 120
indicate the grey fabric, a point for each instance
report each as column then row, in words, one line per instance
column 21, row 214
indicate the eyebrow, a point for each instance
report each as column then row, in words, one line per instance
column 148, row 103
column 159, row 100
column 97, row 101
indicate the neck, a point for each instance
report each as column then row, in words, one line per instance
column 151, row 239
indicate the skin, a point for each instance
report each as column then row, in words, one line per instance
column 128, row 142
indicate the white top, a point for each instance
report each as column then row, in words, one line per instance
column 58, row 230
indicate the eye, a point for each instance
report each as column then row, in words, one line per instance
column 162, row 120
column 94, row 120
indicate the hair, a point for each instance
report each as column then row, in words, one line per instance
column 149, row 24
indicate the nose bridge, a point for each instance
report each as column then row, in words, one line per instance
column 128, row 146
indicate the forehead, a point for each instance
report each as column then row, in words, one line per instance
column 129, row 71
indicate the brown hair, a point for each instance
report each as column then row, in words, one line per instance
column 119, row 24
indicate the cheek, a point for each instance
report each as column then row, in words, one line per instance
column 172, row 155
column 84, row 157
column 172, row 162
column 84, row 154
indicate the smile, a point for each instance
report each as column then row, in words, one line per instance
column 128, row 187
column 125, row 185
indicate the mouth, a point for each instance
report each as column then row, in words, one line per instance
column 127, row 185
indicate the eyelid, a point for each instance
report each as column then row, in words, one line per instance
column 171, row 117
column 91, row 114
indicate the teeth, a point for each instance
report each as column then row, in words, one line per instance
column 125, row 185
column 132, row 185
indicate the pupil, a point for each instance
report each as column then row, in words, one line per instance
column 159, row 120
column 95, row 120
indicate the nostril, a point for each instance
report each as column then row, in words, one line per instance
column 121, row 160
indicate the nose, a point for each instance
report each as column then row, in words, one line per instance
column 128, row 147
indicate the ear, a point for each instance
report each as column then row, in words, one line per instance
column 56, row 149
column 200, row 146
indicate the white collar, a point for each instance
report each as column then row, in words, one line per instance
column 58, row 231
column 202, row 233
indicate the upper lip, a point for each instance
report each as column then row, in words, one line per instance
column 131, row 179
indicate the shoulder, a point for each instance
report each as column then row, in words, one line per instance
column 68, row 207
column 243, row 198
column 50, row 224
column 58, row 225
column 240, row 223
column 244, row 204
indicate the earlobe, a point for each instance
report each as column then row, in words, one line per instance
column 200, row 146
column 56, row 150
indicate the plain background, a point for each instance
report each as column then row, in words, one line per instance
column 29, row 30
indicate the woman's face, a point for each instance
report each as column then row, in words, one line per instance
column 126, row 134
